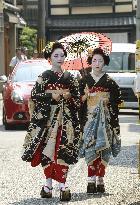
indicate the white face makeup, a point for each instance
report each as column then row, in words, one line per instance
column 57, row 57
column 97, row 63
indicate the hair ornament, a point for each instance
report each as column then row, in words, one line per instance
column 48, row 47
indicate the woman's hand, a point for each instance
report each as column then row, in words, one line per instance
column 105, row 101
column 56, row 96
column 84, row 97
column 66, row 95
column 86, row 91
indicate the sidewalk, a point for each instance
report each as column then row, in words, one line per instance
column 122, row 180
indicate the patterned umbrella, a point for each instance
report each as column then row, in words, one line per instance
column 80, row 45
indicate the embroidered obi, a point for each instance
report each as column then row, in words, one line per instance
column 95, row 95
column 56, row 88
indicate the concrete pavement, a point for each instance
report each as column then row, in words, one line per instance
column 20, row 184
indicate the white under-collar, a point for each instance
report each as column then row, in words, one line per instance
column 97, row 77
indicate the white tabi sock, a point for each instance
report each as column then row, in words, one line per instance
column 100, row 180
column 92, row 179
column 62, row 186
column 48, row 185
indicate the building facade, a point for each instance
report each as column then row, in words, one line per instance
column 115, row 18
column 10, row 24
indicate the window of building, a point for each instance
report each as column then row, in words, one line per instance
column 60, row 2
column 74, row 3
column 19, row 2
column 32, row 14
column 10, row 1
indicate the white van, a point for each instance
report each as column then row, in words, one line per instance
column 122, row 69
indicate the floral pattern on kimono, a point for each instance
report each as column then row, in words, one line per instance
column 49, row 115
column 101, row 125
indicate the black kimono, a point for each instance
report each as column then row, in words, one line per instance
column 54, row 131
column 107, row 83
column 100, row 124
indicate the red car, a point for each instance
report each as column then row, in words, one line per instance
column 17, row 90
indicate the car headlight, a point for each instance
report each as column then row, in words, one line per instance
column 17, row 97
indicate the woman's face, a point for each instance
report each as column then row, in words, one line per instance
column 97, row 63
column 57, row 57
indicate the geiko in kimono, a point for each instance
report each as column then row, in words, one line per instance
column 101, row 131
column 53, row 135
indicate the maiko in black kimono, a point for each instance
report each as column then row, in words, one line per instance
column 52, row 138
column 100, row 126
column 106, row 84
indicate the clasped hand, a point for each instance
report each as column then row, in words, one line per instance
column 86, row 91
column 57, row 96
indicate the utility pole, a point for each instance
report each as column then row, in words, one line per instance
column 41, row 38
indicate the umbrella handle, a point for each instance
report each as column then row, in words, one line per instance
column 83, row 71
column 81, row 60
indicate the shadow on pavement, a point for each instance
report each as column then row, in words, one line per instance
column 39, row 201
column 135, row 203
column 84, row 196
column 128, row 157
column 55, row 200
column 14, row 128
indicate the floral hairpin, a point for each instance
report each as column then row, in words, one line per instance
column 90, row 51
column 105, row 49
column 48, row 47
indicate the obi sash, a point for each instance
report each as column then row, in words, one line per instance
column 56, row 88
column 95, row 95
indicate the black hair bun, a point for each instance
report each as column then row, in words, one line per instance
column 100, row 52
column 51, row 47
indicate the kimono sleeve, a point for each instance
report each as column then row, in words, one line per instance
column 83, row 106
column 38, row 91
column 82, row 85
column 74, row 91
column 115, row 94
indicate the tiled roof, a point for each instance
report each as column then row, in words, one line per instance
column 94, row 22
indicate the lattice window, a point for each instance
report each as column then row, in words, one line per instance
column 31, row 14
column 19, row 2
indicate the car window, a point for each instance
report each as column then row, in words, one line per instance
column 29, row 72
column 121, row 62
column 116, row 62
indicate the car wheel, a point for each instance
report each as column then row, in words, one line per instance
column 4, row 121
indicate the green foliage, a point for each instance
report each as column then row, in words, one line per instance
column 28, row 38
